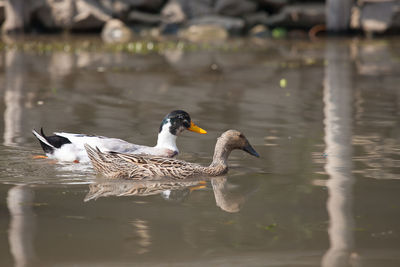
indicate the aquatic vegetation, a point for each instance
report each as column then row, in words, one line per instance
column 96, row 45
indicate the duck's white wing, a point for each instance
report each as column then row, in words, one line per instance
column 75, row 150
column 103, row 143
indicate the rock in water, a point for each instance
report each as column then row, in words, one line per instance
column 115, row 31
column 235, row 8
column 90, row 15
column 196, row 8
column 232, row 25
column 143, row 18
column 204, row 33
column 172, row 12
column 377, row 17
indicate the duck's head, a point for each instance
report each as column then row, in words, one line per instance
column 177, row 121
column 233, row 139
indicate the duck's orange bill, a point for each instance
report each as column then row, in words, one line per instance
column 39, row 157
column 194, row 128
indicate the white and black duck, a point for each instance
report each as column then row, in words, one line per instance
column 70, row 147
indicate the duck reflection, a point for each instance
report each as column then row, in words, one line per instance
column 121, row 188
column 229, row 197
column 226, row 196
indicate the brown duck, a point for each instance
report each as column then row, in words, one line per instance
column 138, row 167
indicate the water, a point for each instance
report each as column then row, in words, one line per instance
column 323, row 115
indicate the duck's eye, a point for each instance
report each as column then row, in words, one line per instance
column 186, row 124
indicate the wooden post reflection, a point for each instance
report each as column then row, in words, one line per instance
column 338, row 99
column 13, row 96
column 22, row 225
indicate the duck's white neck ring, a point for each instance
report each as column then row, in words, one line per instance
column 166, row 139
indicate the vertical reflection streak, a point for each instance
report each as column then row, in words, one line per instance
column 22, row 225
column 338, row 99
column 13, row 96
column 143, row 231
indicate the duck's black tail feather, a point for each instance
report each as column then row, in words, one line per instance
column 50, row 143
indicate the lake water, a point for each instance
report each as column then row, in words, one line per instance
column 323, row 115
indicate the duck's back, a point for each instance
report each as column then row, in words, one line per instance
column 138, row 167
column 109, row 144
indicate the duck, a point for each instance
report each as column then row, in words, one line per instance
column 69, row 147
column 138, row 167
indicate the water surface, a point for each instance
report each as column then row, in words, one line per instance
column 323, row 115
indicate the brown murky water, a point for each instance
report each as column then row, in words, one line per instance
column 323, row 115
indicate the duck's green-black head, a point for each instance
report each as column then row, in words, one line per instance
column 178, row 121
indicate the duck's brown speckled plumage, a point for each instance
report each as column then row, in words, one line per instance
column 120, row 165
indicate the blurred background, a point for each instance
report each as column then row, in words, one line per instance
column 122, row 20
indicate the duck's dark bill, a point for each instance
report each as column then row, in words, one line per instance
column 249, row 149
column 194, row 128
